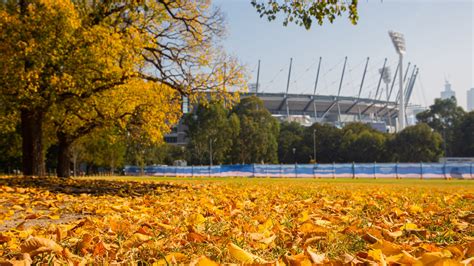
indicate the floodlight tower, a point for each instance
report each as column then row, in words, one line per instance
column 399, row 42
column 387, row 79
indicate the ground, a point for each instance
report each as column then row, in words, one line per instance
column 144, row 221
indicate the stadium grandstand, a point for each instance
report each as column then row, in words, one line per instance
column 380, row 110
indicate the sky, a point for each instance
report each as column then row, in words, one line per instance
column 439, row 39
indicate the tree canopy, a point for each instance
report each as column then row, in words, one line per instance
column 303, row 12
column 444, row 116
column 69, row 61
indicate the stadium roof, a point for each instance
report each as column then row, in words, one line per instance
column 304, row 104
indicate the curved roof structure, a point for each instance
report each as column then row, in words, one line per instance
column 327, row 108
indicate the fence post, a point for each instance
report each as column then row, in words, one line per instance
column 470, row 169
column 444, row 170
column 333, row 170
column 375, row 166
column 353, row 170
column 192, row 170
column 396, row 170
column 281, row 171
column 421, row 170
column 314, row 172
column 296, row 171
column 253, row 170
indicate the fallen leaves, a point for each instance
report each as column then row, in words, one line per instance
column 243, row 256
column 260, row 222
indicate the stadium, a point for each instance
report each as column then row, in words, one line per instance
column 379, row 111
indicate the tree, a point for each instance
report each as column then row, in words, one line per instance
column 417, row 143
column 73, row 51
column 361, row 143
column 144, row 109
column 303, row 12
column 257, row 140
column 291, row 136
column 444, row 116
column 464, row 136
column 210, row 125
column 328, row 142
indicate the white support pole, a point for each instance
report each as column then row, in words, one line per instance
column 401, row 106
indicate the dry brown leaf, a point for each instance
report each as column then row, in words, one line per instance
column 36, row 245
column 25, row 260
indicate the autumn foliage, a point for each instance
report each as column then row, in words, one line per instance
column 244, row 221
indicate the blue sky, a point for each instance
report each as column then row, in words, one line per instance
column 439, row 38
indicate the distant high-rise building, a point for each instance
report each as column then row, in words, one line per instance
column 448, row 92
column 470, row 100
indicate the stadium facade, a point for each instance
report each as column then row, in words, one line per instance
column 308, row 109
column 337, row 110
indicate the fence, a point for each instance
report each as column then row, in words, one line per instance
column 354, row 170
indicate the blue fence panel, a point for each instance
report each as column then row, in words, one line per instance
column 386, row 170
column 324, row 170
column 305, row 170
column 364, row 170
column 459, row 171
column 409, row 170
column 361, row 170
column 288, row 170
column 131, row 170
column 264, row 170
column 432, row 170
column 344, row 170
column 241, row 170
column 183, row 171
column 201, row 171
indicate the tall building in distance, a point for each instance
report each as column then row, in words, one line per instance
column 470, row 100
column 448, row 92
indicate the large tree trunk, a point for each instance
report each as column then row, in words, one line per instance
column 32, row 142
column 64, row 156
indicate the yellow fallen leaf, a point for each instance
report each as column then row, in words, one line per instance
column 415, row 209
column 172, row 258
column 242, row 255
column 17, row 208
column 377, row 255
column 267, row 240
column 196, row 218
column 303, row 217
column 409, row 226
column 404, row 258
column 387, row 248
column 267, row 225
column 432, row 257
column 299, row 259
column 310, row 228
column 54, row 217
column 203, row 261
column 136, row 240
column 447, row 262
column 165, row 226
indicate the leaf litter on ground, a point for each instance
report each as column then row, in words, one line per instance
column 260, row 222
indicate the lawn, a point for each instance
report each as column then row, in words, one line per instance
column 204, row 221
